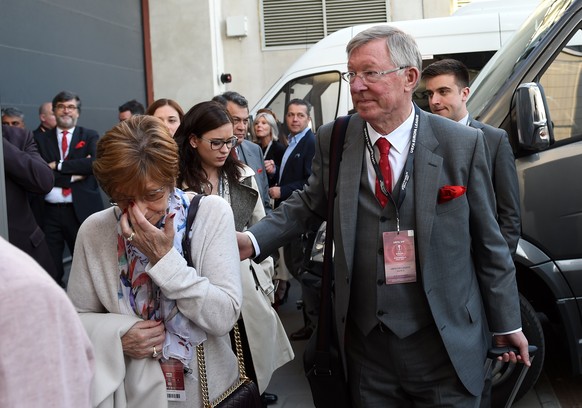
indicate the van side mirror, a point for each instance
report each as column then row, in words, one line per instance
column 530, row 117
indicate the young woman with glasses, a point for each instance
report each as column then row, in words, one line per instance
column 205, row 139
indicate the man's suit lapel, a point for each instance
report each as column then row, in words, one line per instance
column 74, row 141
column 298, row 149
column 427, row 169
column 349, row 186
column 247, row 154
column 474, row 123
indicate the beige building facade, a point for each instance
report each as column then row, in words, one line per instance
column 194, row 42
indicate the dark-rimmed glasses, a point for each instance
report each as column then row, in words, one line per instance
column 62, row 107
column 216, row 144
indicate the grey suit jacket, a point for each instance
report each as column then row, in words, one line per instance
column 505, row 184
column 466, row 269
column 252, row 156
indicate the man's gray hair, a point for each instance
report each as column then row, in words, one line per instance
column 402, row 48
column 13, row 112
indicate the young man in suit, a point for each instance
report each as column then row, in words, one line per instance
column 293, row 173
column 296, row 163
column 422, row 272
column 447, row 87
column 69, row 151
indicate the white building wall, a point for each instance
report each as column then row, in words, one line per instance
column 186, row 55
column 190, row 48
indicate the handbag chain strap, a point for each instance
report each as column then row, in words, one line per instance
column 202, row 371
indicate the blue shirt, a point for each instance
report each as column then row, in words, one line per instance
column 293, row 142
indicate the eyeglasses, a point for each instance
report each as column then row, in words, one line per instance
column 368, row 77
column 60, row 106
column 150, row 197
column 216, row 144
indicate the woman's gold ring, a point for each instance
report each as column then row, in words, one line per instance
column 130, row 238
column 155, row 353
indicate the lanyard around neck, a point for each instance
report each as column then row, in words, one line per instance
column 407, row 169
column 268, row 148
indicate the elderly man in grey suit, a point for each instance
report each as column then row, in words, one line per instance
column 422, row 272
column 246, row 151
column 447, row 87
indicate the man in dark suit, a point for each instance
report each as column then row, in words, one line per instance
column 293, row 173
column 447, row 87
column 69, row 150
column 246, row 151
column 422, row 272
column 296, row 163
column 25, row 172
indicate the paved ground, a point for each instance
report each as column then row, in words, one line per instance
column 290, row 384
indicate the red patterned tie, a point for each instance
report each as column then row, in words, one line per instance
column 384, row 163
column 64, row 146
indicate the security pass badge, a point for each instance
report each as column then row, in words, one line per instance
column 174, row 376
column 399, row 257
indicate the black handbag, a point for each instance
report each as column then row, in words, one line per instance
column 244, row 393
column 322, row 360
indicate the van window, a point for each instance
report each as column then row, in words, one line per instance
column 562, row 83
column 515, row 51
column 320, row 90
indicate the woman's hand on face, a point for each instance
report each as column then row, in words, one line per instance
column 153, row 242
column 140, row 340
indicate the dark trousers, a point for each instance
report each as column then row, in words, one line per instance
column 386, row 371
column 297, row 254
column 60, row 226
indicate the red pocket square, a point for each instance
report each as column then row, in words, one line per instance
column 447, row 193
column 80, row 144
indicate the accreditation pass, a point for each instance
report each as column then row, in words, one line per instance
column 174, row 376
column 399, row 257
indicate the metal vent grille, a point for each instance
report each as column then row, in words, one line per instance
column 304, row 22
column 342, row 14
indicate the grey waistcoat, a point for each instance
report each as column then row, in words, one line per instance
column 402, row 307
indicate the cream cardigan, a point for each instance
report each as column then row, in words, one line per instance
column 209, row 294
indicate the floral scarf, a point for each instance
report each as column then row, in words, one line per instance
column 138, row 295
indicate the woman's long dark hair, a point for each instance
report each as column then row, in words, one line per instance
column 200, row 119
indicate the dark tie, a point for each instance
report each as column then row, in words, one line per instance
column 234, row 152
column 384, row 163
column 64, row 146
